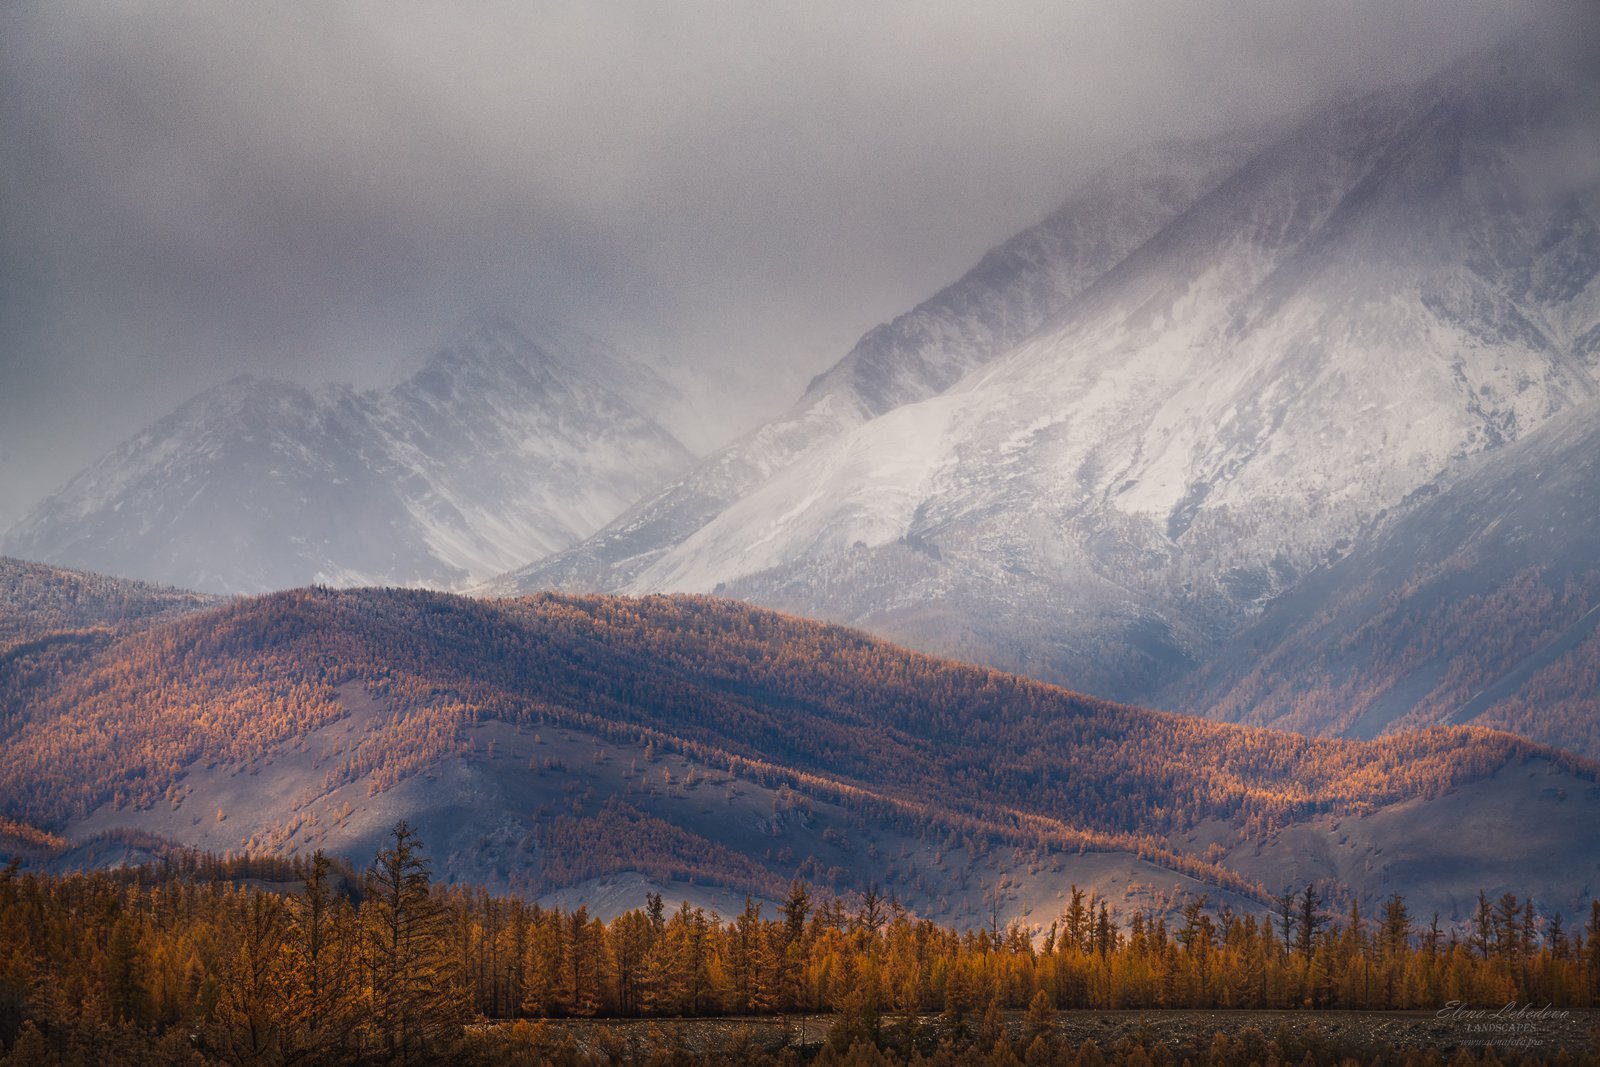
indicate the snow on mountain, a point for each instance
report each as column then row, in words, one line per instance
column 1479, row 604
column 980, row 317
column 495, row 450
column 1228, row 403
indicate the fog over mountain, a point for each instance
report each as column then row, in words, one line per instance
column 955, row 459
column 503, row 446
column 192, row 192
column 1214, row 373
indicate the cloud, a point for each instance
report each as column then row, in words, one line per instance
column 318, row 190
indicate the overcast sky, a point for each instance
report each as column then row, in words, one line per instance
column 318, row 191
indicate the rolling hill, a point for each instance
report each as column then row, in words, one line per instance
column 596, row 746
column 37, row 599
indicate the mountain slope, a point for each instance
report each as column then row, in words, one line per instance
column 1478, row 605
column 36, row 599
column 495, row 450
column 558, row 740
column 980, row 317
column 1400, row 283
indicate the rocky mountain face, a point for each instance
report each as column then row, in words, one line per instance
column 497, row 449
column 1296, row 344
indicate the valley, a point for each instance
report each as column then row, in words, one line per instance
column 437, row 626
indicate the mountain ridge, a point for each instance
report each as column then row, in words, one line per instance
column 1373, row 297
column 916, row 355
column 493, row 450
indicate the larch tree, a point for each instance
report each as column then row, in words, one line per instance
column 416, row 997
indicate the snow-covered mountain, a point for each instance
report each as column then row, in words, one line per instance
column 982, row 316
column 495, row 450
column 1256, row 382
column 1480, row 604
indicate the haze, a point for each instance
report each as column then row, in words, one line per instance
column 319, row 192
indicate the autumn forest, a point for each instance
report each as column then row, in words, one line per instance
column 316, row 827
column 252, row 961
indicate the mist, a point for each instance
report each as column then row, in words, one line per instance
column 319, row 192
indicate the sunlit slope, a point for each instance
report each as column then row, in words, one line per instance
column 554, row 740
column 1338, row 321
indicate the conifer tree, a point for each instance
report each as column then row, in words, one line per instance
column 584, row 964
column 417, row 1005
column 631, row 936
column 1311, row 920
column 319, row 954
column 125, row 975
column 246, row 1026
column 1040, row 1020
column 541, row 966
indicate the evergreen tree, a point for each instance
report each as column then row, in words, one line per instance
column 1483, row 927
column 1040, row 1022
column 632, row 937
column 125, row 974
column 584, row 959
column 319, row 950
column 1395, row 934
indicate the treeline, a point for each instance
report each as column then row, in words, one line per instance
column 20, row 839
column 307, row 962
column 620, row 837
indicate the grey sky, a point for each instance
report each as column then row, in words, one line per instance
column 318, row 191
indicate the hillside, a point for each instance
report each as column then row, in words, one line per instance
column 36, row 599
column 559, row 742
column 52, row 621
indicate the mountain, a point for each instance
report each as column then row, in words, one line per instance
column 590, row 748
column 1263, row 381
column 1478, row 605
column 977, row 319
column 495, row 450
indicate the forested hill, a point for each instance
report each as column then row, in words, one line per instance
column 293, row 714
column 36, row 598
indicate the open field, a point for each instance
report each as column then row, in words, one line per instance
column 1365, row 1036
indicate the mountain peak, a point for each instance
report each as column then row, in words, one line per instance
column 489, row 350
column 493, row 451
column 248, row 395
